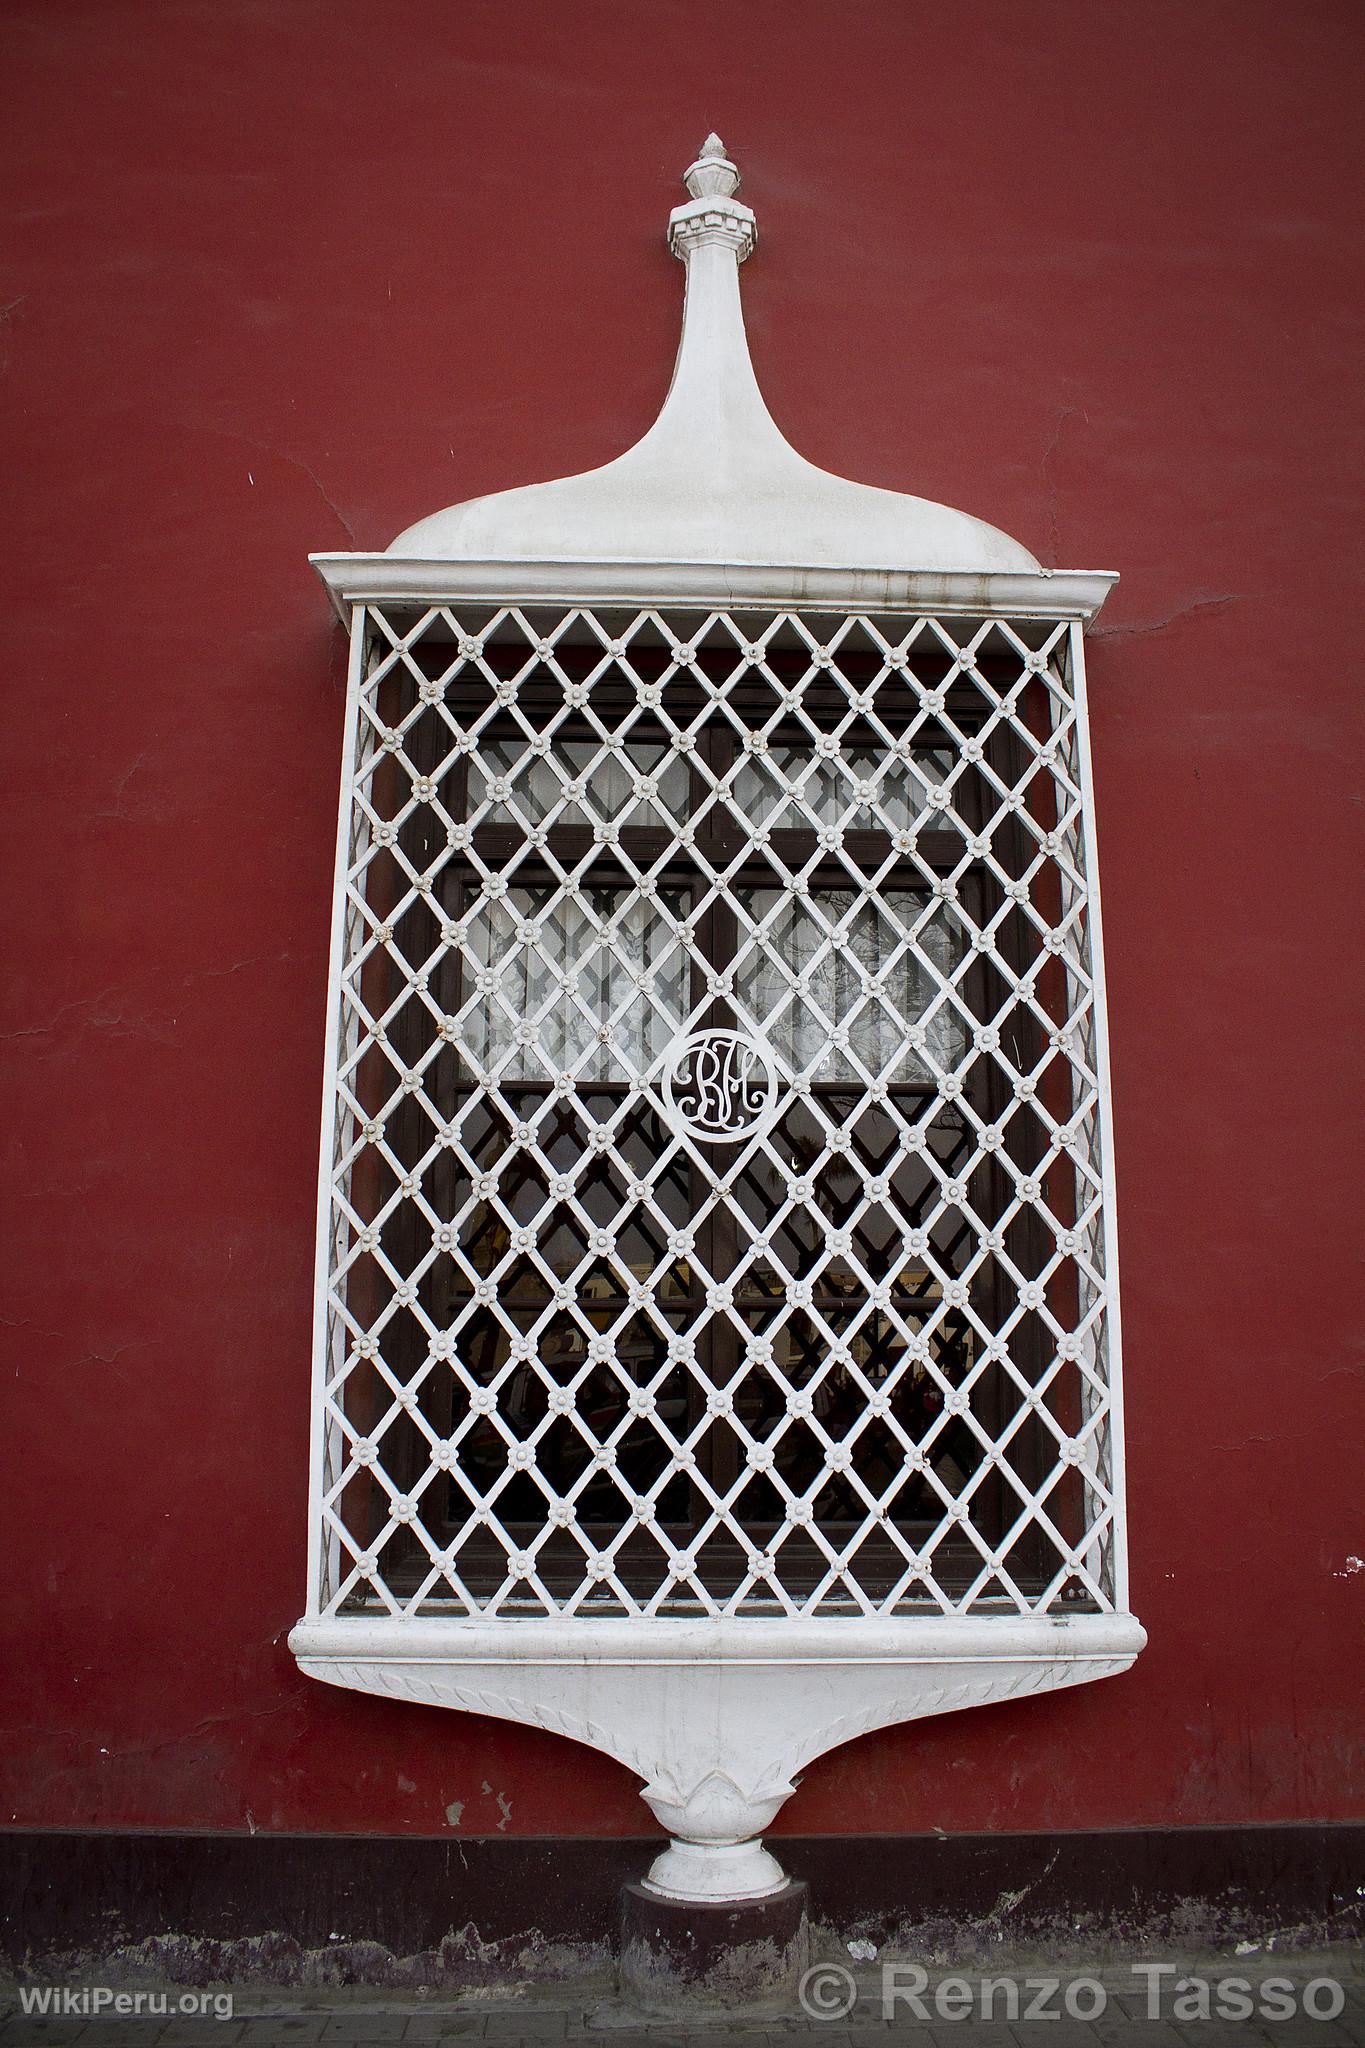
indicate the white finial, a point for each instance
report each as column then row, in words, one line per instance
column 712, row 213
column 713, row 175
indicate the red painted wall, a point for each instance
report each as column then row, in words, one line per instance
column 288, row 276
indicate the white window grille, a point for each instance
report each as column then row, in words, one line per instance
column 584, row 1357
column 717, row 1257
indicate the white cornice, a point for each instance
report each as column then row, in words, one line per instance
column 956, row 593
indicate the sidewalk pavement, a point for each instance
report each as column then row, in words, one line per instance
column 1313, row 1998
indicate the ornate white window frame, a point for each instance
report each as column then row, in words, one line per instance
column 839, row 640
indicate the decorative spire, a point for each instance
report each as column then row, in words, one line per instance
column 713, row 174
column 712, row 213
column 714, row 483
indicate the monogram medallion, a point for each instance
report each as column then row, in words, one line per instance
column 719, row 1086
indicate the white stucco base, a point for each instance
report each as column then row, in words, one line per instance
column 716, row 1717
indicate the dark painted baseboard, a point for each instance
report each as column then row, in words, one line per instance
column 94, row 1893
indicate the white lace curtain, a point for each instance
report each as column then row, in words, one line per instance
column 837, row 981
column 608, row 962
column 833, row 980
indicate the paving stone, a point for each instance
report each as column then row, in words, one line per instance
column 444, row 2026
column 179, row 2033
column 121, row 2030
column 1248, row 2033
column 538, row 2026
column 289, row 2026
column 1129, row 2005
column 177, row 2028
column 777, row 2035
column 1298, row 2033
column 1063, row 2033
column 976, row 2033
column 365, row 2026
column 1120, row 2029
column 659, row 2036
column 20, row 2029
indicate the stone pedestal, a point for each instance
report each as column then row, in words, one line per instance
column 683, row 1955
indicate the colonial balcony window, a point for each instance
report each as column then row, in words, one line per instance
column 718, row 1293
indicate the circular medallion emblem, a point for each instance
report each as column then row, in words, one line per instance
column 719, row 1086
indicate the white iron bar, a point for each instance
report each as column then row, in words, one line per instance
column 571, row 951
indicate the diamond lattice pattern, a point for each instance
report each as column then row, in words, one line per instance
column 577, row 1361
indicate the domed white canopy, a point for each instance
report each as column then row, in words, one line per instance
column 713, row 503
column 713, row 481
